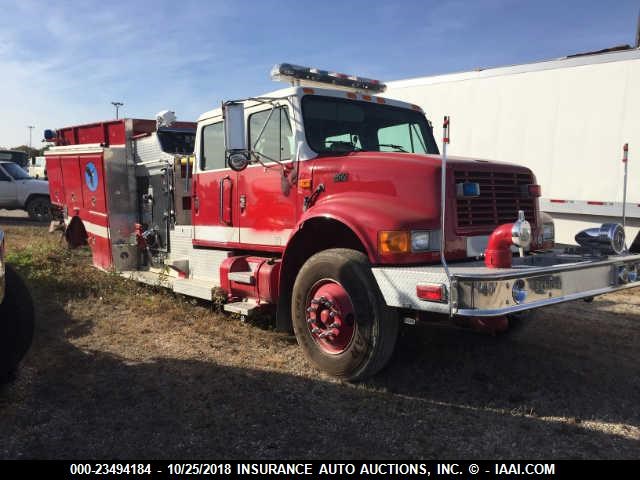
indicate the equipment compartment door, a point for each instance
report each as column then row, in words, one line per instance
column 92, row 172
column 215, row 193
column 73, row 182
column 54, row 176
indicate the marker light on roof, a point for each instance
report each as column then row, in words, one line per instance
column 288, row 72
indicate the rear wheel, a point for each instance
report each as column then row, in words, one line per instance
column 339, row 316
column 16, row 323
column 38, row 209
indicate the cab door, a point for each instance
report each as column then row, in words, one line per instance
column 215, row 196
column 267, row 192
column 8, row 190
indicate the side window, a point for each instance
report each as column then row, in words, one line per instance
column 404, row 135
column 213, row 147
column 3, row 176
column 276, row 141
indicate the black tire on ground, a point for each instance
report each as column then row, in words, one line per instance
column 519, row 321
column 16, row 323
column 38, row 209
column 377, row 325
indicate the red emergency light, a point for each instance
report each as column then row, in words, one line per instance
column 290, row 72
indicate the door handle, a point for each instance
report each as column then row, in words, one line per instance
column 222, row 203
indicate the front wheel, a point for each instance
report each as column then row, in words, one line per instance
column 38, row 209
column 339, row 316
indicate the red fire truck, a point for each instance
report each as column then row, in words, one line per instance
column 331, row 204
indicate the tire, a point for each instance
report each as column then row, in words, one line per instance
column 38, row 209
column 16, row 323
column 519, row 321
column 338, row 284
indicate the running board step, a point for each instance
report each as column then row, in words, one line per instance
column 244, row 309
column 180, row 265
column 248, row 278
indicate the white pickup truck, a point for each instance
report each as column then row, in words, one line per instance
column 19, row 191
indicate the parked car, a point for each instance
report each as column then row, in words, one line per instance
column 16, row 317
column 19, row 191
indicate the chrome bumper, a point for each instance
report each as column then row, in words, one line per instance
column 533, row 282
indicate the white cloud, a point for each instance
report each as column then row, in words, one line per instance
column 71, row 68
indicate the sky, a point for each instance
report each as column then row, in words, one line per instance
column 62, row 63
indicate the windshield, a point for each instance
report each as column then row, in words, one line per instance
column 177, row 141
column 15, row 171
column 341, row 125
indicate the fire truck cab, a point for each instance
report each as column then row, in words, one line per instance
column 322, row 200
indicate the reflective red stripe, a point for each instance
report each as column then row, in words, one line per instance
column 553, row 200
column 595, row 203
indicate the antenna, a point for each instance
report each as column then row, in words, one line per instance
column 443, row 203
column 625, row 160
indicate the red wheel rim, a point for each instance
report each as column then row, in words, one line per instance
column 330, row 316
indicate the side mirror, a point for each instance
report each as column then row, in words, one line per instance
column 235, row 140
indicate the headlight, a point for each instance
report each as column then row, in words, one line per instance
column 419, row 241
column 548, row 232
column 390, row 242
column 425, row 240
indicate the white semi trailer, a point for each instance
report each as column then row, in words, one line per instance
column 566, row 119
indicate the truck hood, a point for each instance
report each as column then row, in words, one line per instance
column 377, row 191
column 407, row 186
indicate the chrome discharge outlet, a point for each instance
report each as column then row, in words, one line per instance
column 608, row 238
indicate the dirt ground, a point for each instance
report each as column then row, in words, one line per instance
column 120, row 370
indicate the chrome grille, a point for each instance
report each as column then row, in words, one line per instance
column 502, row 194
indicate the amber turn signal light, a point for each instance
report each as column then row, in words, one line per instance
column 390, row 242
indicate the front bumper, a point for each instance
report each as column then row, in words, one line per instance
column 540, row 280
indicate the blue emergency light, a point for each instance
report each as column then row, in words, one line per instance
column 50, row 135
column 468, row 189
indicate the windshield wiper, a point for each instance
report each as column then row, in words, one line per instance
column 391, row 145
column 340, row 146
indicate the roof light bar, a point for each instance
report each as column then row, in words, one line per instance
column 287, row 72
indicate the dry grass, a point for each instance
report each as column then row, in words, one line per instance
column 120, row 370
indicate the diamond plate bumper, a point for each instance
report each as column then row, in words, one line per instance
column 534, row 281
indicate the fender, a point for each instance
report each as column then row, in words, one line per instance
column 365, row 214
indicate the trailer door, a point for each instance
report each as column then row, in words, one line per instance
column 214, row 202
